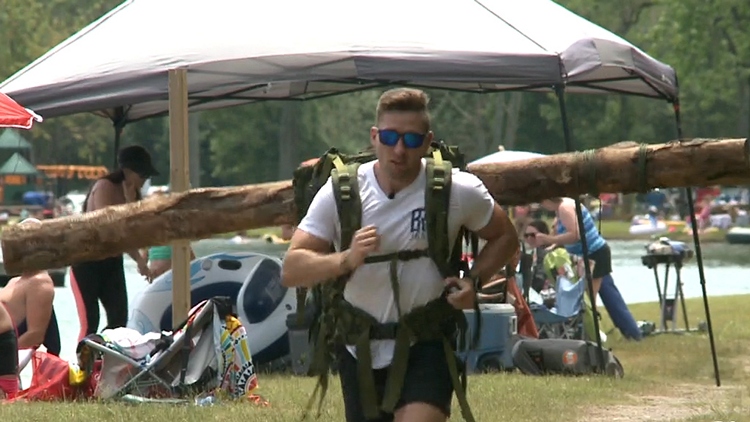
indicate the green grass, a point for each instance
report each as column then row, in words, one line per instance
column 667, row 377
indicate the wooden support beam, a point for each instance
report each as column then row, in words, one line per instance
column 179, row 181
column 200, row 213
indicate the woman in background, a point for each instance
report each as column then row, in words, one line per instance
column 104, row 280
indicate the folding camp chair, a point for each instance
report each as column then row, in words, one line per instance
column 566, row 318
column 160, row 364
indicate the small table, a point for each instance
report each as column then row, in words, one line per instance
column 669, row 304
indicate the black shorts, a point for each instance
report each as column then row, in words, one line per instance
column 8, row 353
column 427, row 381
column 602, row 262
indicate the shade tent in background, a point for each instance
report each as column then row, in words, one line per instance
column 252, row 51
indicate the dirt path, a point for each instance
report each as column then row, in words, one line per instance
column 680, row 402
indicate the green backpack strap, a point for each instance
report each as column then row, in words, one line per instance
column 346, row 193
column 437, row 203
column 349, row 207
column 447, row 259
column 306, row 182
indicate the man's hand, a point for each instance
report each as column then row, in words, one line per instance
column 461, row 294
column 364, row 241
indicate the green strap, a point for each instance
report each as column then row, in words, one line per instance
column 459, row 385
column 346, row 193
column 365, row 377
column 319, row 364
column 590, row 165
column 437, row 203
column 393, row 259
column 393, row 270
column 642, row 168
column 397, row 371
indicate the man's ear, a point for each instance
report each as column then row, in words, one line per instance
column 373, row 136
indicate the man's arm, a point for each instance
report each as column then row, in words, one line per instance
column 567, row 215
column 309, row 261
column 502, row 244
column 480, row 214
column 38, row 312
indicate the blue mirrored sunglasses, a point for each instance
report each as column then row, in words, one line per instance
column 390, row 138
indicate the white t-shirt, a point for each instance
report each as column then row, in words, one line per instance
column 401, row 224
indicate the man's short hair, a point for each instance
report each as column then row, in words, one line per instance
column 404, row 99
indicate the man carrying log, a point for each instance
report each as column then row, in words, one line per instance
column 401, row 297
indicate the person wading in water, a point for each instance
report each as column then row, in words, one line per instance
column 104, row 280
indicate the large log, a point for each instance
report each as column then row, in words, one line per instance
column 200, row 213
column 157, row 220
column 626, row 167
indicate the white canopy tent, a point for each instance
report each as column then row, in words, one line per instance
column 231, row 52
column 239, row 51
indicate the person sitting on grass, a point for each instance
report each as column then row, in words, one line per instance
column 8, row 356
column 28, row 299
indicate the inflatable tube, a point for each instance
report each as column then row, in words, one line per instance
column 648, row 228
column 251, row 280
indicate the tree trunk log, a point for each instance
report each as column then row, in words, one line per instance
column 618, row 169
column 157, row 220
column 200, row 213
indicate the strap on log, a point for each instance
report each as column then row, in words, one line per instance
column 642, row 168
column 589, row 167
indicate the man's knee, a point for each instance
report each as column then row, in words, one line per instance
column 420, row 412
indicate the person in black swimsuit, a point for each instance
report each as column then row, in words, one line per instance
column 104, row 280
column 29, row 299
column 8, row 356
column 51, row 339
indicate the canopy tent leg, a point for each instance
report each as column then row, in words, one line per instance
column 698, row 253
column 560, row 92
column 118, row 121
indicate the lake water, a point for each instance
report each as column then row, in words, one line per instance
column 727, row 269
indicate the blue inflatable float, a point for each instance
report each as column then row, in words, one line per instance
column 252, row 281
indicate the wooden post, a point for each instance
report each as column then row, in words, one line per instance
column 179, row 181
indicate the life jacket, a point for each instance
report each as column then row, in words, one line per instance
column 336, row 322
